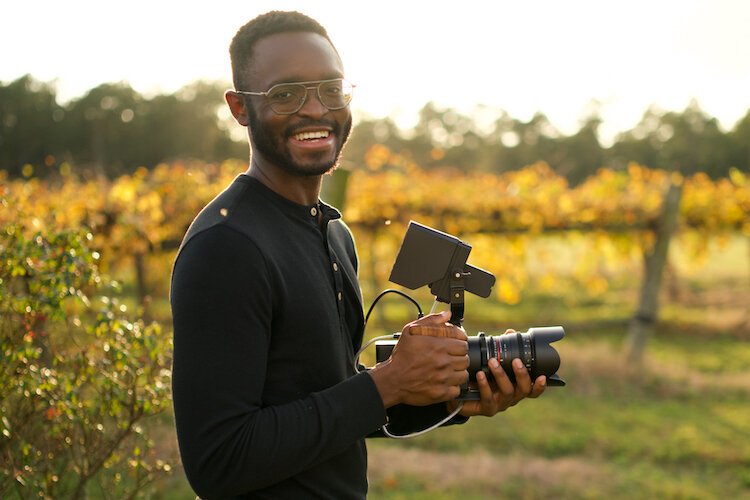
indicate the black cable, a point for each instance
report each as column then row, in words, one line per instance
column 391, row 290
column 395, row 335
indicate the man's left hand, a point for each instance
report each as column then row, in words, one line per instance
column 502, row 394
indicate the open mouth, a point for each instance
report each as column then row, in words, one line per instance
column 312, row 136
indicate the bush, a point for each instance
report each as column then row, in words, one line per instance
column 79, row 378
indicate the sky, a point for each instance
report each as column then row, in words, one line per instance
column 566, row 59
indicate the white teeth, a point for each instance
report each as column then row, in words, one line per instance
column 306, row 136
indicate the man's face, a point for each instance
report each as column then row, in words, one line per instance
column 309, row 141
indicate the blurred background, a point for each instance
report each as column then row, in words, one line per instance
column 595, row 156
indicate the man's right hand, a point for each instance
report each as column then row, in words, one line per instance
column 424, row 369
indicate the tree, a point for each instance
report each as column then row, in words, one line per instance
column 579, row 155
column 688, row 142
column 522, row 143
column 101, row 129
column 368, row 132
column 30, row 126
column 739, row 144
column 112, row 129
column 640, row 144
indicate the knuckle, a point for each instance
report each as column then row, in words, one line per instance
column 434, row 393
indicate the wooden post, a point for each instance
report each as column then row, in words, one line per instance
column 379, row 322
column 141, row 287
column 333, row 190
column 655, row 259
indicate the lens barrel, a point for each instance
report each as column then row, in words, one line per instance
column 531, row 347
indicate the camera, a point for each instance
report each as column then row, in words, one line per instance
column 431, row 257
column 531, row 347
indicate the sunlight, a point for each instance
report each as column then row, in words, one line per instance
column 514, row 57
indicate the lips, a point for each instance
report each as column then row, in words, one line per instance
column 311, row 135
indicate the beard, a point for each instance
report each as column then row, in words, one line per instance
column 273, row 148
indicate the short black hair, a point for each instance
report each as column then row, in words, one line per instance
column 270, row 23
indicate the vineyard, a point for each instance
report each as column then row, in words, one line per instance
column 612, row 213
column 85, row 275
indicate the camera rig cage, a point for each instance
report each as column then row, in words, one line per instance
column 431, row 257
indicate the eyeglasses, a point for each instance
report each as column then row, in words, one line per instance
column 288, row 98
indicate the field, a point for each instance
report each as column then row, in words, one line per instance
column 676, row 426
column 672, row 426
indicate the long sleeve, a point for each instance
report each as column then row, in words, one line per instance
column 232, row 439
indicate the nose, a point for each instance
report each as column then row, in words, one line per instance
column 312, row 106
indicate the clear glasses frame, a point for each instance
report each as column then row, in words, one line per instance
column 282, row 104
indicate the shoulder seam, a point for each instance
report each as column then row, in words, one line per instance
column 225, row 226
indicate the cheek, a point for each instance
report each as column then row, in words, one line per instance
column 270, row 125
column 346, row 128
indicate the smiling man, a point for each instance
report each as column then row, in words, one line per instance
column 304, row 124
column 266, row 304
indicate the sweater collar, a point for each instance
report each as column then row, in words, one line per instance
column 305, row 212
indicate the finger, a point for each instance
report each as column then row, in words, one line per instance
column 540, row 384
column 486, row 397
column 501, row 378
column 433, row 319
column 474, row 407
column 438, row 343
column 460, row 363
column 523, row 380
column 471, row 408
column 440, row 346
column 456, row 347
column 446, row 394
column 445, row 330
column 458, row 378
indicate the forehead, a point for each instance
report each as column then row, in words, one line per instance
column 293, row 57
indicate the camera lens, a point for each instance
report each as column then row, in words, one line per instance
column 531, row 347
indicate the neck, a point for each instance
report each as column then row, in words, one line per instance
column 304, row 190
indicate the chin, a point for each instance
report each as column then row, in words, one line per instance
column 313, row 168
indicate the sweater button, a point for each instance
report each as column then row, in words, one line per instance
column 335, row 267
column 313, row 211
column 339, row 295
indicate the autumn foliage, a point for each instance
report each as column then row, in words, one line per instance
column 81, row 373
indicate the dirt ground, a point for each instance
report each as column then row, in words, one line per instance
column 447, row 470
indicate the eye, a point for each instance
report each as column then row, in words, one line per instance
column 333, row 89
column 284, row 93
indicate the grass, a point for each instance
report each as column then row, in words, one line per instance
column 675, row 426
column 664, row 429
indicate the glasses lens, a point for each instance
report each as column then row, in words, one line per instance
column 335, row 94
column 286, row 98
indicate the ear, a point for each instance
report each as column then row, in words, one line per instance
column 236, row 104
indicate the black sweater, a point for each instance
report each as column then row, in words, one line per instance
column 267, row 314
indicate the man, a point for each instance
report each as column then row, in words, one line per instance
column 267, row 308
